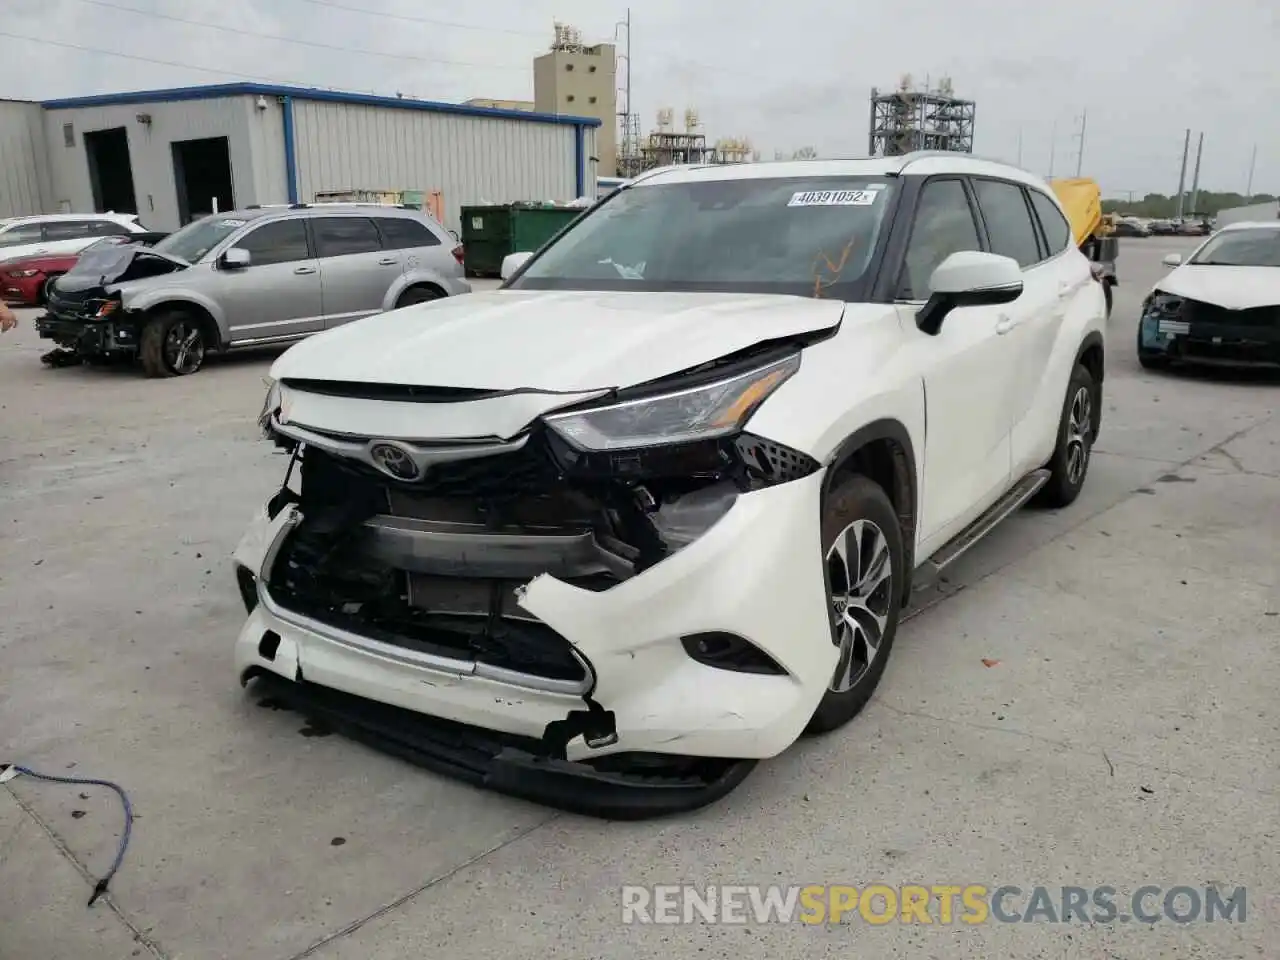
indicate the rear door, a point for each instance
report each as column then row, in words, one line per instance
column 355, row 270
column 278, row 294
column 1034, row 319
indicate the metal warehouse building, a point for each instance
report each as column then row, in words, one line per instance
column 169, row 155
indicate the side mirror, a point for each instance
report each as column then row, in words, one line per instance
column 969, row 278
column 1172, row 260
column 511, row 263
column 237, row 258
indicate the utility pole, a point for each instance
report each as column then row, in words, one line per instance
column 1080, row 152
column 1195, row 178
column 1253, row 161
column 1182, row 177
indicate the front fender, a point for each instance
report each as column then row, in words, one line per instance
column 142, row 301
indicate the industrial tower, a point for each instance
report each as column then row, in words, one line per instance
column 912, row 119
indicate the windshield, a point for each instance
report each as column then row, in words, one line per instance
column 1242, row 248
column 199, row 237
column 810, row 237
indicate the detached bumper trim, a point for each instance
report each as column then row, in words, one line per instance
column 470, row 550
column 505, row 763
column 288, row 520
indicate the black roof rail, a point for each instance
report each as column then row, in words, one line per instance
column 254, row 206
column 299, row 206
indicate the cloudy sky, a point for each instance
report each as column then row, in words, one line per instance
column 782, row 74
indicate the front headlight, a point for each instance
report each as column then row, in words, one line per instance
column 703, row 412
column 270, row 404
column 1163, row 304
column 24, row 274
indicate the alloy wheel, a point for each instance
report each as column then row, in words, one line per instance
column 860, row 569
column 184, row 348
column 1079, row 432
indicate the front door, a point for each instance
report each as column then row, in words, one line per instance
column 356, row 271
column 965, row 366
column 278, row 294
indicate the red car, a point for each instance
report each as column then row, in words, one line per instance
column 24, row 282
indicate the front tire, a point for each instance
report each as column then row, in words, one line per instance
column 173, row 345
column 1076, row 429
column 866, row 570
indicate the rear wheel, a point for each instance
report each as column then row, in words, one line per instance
column 1076, row 427
column 417, row 295
column 173, row 345
column 866, row 562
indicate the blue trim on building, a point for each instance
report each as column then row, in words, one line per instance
column 212, row 91
column 580, row 158
column 290, row 157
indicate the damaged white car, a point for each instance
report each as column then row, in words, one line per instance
column 608, row 536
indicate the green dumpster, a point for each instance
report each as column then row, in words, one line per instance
column 490, row 233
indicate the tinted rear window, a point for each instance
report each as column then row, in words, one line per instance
column 401, row 232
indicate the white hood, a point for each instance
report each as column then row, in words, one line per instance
column 549, row 340
column 1236, row 288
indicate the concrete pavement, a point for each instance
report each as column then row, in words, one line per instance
column 1123, row 736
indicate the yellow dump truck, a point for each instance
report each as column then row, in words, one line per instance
column 1094, row 231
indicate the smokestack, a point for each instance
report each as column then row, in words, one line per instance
column 1182, row 177
column 1195, row 178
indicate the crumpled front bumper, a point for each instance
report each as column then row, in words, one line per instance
column 756, row 573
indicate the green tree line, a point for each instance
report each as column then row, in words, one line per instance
column 1158, row 206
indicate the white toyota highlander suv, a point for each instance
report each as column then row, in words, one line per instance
column 611, row 534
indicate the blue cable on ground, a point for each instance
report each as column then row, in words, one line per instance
column 100, row 887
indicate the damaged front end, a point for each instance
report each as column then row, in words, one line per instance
column 431, row 553
column 86, row 315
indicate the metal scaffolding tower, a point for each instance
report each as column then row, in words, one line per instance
column 913, row 119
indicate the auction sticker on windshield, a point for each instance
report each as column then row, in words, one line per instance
column 833, row 198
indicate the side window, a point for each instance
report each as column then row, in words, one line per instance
column 339, row 236
column 68, row 229
column 109, row 228
column 399, row 233
column 1009, row 226
column 1057, row 232
column 23, row 233
column 944, row 225
column 281, row 242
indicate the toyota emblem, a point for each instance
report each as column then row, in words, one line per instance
column 394, row 461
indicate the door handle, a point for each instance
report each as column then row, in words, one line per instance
column 1065, row 287
column 388, row 262
column 304, row 269
column 1005, row 324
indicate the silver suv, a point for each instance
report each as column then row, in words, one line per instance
column 261, row 275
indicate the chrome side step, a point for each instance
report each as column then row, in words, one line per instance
column 954, row 549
